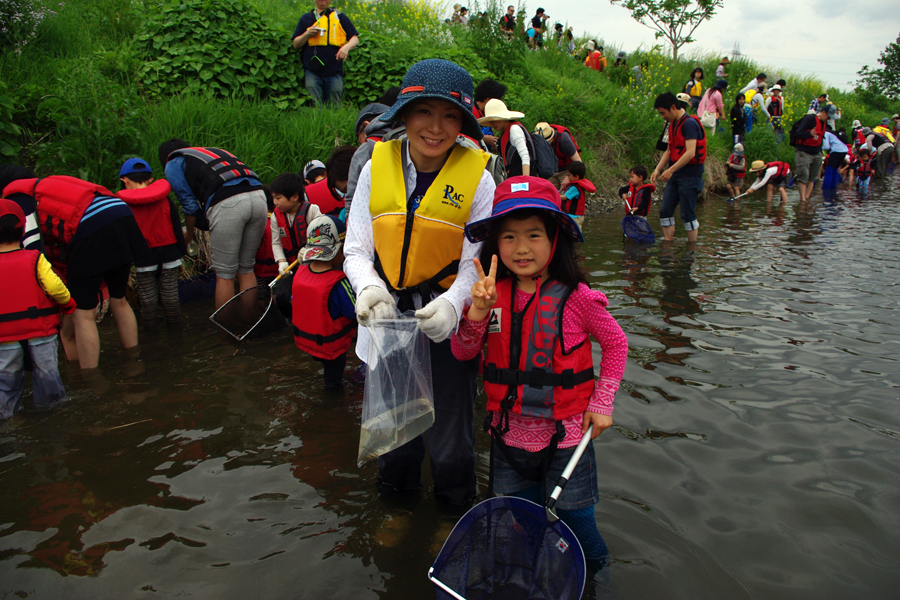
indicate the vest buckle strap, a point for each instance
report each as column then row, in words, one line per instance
column 537, row 378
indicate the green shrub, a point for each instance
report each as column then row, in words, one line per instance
column 218, row 48
column 95, row 127
column 9, row 131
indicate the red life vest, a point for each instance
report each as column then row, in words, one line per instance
column 527, row 370
column 739, row 173
column 265, row 265
column 865, row 168
column 677, row 142
column 564, row 159
column 152, row 212
column 29, row 312
column 576, row 207
column 293, row 237
column 783, row 168
column 776, row 106
column 61, row 202
column 321, row 194
column 634, row 195
column 819, row 130
column 217, row 167
column 315, row 332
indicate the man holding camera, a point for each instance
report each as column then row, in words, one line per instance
column 326, row 36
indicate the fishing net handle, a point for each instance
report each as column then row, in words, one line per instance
column 570, row 467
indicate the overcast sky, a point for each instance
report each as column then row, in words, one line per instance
column 837, row 37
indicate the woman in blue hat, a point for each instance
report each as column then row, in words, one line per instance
column 406, row 250
column 535, row 312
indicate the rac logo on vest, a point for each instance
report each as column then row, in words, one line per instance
column 452, row 199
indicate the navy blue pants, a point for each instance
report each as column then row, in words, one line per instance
column 451, row 440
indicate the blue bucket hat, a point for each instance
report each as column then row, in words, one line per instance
column 524, row 192
column 438, row 78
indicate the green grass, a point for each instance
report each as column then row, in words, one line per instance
column 80, row 108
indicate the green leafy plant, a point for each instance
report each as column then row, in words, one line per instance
column 95, row 128
column 9, row 131
column 218, row 48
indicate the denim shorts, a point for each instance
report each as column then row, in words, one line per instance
column 580, row 492
column 683, row 192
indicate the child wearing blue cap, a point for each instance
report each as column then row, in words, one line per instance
column 535, row 311
column 159, row 222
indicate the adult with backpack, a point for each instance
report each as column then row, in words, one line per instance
column 564, row 147
column 681, row 165
column 523, row 153
column 807, row 136
column 219, row 192
column 878, row 141
column 91, row 238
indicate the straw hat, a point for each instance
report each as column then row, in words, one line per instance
column 495, row 110
column 545, row 130
column 757, row 165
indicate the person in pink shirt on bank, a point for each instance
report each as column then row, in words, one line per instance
column 536, row 313
column 713, row 102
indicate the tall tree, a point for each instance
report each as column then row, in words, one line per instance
column 674, row 20
column 884, row 81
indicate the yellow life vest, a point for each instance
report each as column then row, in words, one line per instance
column 428, row 249
column 334, row 33
column 697, row 90
column 885, row 132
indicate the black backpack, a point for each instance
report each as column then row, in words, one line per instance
column 543, row 158
column 792, row 136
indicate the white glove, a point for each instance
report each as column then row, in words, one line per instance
column 374, row 302
column 282, row 266
column 437, row 319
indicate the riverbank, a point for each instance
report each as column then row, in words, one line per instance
column 102, row 81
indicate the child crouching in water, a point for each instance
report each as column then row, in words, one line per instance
column 536, row 313
column 324, row 306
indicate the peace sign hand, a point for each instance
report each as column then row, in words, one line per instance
column 484, row 291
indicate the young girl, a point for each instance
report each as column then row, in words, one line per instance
column 536, row 311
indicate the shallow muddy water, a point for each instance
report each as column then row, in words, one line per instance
column 756, row 451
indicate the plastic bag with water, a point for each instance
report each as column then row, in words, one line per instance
column 398, row 404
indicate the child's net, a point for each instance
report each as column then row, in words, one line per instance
column 637, row 229
column 505, row 548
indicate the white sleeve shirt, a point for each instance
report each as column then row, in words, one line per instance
column 359, row 247
column 517, row 139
